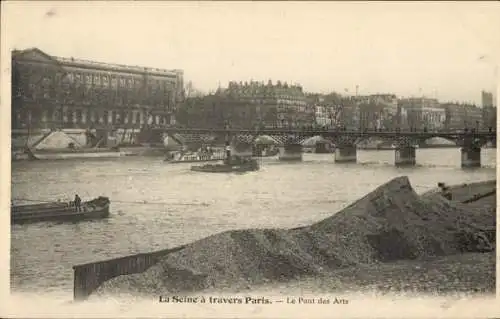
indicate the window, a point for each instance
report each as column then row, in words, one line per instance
column 138, row 117
column 78, row 79
column 97, row 79
column 122, row 82
column 78, row 116
column 105, row 80
column 114, row 82
column 58, row 77
column 106, row 117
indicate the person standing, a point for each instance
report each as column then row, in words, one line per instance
column 78, row 202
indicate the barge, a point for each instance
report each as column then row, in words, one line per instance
column 97, row 208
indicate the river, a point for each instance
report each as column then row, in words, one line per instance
column 155, row 205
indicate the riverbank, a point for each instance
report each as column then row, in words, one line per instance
column 392, row 229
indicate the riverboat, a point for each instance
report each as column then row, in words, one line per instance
column 59, row 154
column 194, row 158
column 59, row 211
column 246, row 166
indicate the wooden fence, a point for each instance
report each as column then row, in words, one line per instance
column 88, row 277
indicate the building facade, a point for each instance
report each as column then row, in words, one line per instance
column 489, row 117
column 377, row 111
column 349, row 114
column 266, row 105
column 487, row 99
column 56, row 92
column 422, row 113
column 460, row 116
column 327, row 109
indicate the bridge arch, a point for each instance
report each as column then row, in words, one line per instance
column 265, row 140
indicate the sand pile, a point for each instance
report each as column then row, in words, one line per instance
column 390, row 223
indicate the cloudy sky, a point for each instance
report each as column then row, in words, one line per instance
column 446, row 50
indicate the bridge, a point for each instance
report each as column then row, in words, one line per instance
column 344, row 142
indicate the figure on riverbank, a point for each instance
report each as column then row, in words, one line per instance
column 78, row 202
column 445, row 191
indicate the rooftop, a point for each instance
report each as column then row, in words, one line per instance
column 97, row 64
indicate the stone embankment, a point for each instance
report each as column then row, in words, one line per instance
column 392, row 229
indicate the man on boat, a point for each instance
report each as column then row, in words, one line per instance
column 445, row 191
column 78, row 202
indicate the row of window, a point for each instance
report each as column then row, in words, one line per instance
column 276, row 100
column 95, row 97
column 89, row 117
column 93, row 78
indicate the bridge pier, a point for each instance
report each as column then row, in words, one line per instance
column 471, row 156
column 290, row 152
column 241, row 148
column 345, row 154
column 321, row 148
column 405, row 156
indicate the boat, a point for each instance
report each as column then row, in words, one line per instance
column 56, row 154
column 60, row 211
column 194, row 158
column 240, row 167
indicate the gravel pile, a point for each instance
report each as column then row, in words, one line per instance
column 390, row 224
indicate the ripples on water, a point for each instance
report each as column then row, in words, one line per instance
column 196, row 204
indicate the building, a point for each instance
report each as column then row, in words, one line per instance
column 325, row 115
column 489, row 110
column 487, row 99
column 489, row 117
column 421, row 113
column 215, row 111
column 350, row 115
column 57, row 92
column 327, row 109
column 267, row 105
column 460, row 116
column 377, row 111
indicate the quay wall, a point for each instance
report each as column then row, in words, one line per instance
column 88, row 277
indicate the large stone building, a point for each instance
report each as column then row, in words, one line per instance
column 56, row 92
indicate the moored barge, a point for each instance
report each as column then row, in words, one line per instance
column 60, row 211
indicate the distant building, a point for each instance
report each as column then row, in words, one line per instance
column 421, row 113
column 57, row 92
column 327, row 109
column 350, row 116
column 377, row 111
column 460, row 116
column 489, row 117
column 273, row 105
column 487, row 99
column 489, row 110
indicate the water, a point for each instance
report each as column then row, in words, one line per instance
column 182, row 206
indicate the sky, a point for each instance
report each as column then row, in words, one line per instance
column 445, row 50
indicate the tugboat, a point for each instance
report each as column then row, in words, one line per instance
column 235, row 164
column 232, row 163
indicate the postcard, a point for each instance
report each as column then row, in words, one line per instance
column 249, row 159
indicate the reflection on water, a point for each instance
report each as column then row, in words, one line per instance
column 155, row 205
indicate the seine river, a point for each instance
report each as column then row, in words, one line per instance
column 155, row 205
